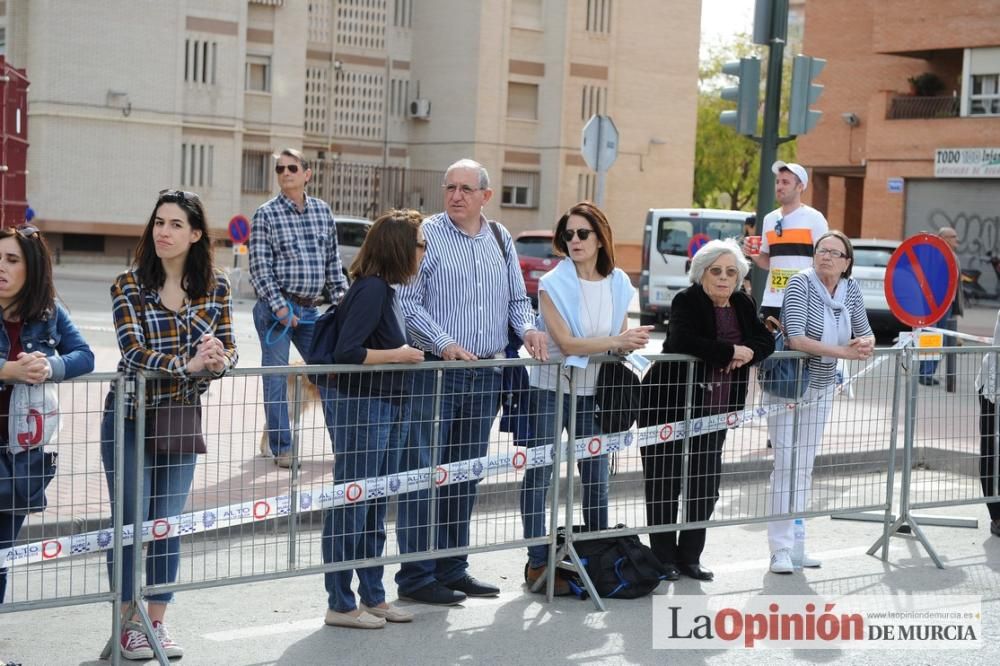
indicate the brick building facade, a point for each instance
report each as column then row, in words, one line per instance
column 873, row 154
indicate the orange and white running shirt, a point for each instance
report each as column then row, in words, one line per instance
column 790, row 252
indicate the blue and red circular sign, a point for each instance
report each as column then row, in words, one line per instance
column 920, row 280
column 696, row 242
column 239, row 229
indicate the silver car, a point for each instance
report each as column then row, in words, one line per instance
column 351, row 232
column 871, row 256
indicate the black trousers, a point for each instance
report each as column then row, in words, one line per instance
column 661, row 466
column 987, row 452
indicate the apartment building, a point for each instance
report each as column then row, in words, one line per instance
column 910, row 134
column 131, row 96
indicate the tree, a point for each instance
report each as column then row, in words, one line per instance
column 727, row 164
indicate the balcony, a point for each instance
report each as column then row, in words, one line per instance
column 908, row 107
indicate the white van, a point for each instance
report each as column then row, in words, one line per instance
column 665, row 252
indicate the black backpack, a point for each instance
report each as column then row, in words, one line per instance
column 620, row 567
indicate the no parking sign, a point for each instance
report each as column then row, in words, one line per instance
column 920, row 280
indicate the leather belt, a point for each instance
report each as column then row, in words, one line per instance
column 302, row 300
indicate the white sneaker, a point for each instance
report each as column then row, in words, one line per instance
column 807, row 563
column 781, row 561
column 169, row 645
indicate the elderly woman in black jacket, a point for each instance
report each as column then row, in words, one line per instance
column 716, row 321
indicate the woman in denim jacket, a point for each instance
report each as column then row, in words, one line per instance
column 38, row 342
column 173, row 314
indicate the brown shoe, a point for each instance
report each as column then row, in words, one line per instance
column 284, row 460
column 532, row 574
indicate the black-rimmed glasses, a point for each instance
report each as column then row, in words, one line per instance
column 176, row 196
column 27, row 230
column 582, row 234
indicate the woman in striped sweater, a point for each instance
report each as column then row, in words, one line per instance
column 823, row 313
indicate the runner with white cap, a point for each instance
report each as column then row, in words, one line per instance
column 788, row 234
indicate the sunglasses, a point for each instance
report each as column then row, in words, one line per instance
column 26, row 231
column 582, row 234
column 176, row 196
column 777, row 227
column 280, row 168
column 718, row 270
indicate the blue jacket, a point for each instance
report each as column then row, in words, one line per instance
column 56, row 337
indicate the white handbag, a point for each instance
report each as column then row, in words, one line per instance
column 33, row 419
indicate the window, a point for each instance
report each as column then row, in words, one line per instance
column 402, row 13
column 594, row 100
column 985, row 97
column 196, row 165
column 526, row 14
column 317, row 98
column 83, row 243
column 399, row 94
column 319, row 21
column 258, row 73
column 200, row 61
column 256, row 171
column 599, row 16
column 520, row 189
column 522, row 101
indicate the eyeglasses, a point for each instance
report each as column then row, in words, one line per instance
column 280, row 168
column 777, row 227
column 582, row 234
column 464, row 190
column 830, row 252
column 176, row 196
column 718, row 270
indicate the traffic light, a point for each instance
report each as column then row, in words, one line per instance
column 746, row 94
column 804, row 94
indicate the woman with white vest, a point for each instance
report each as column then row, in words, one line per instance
column 584, row 309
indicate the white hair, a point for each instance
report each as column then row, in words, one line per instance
column 710, row 252
column 466, row 163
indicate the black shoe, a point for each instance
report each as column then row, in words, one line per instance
column 934, row 381
column 995, row 527
column 434, row 594
column 696, row 571
column 672, row 571
column 472, row 587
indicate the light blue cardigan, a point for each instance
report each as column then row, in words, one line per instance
column 563, row 286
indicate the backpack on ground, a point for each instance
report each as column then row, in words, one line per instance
column 620, row 567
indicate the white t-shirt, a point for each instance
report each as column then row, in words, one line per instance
column 792, row 251
column 595, row 319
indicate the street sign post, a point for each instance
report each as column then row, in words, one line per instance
column 599, row 146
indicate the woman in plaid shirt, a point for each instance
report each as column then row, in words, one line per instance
column 173, row 314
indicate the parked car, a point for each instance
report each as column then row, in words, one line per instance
column 534, row 251
column 351, row 232
column 871, row 256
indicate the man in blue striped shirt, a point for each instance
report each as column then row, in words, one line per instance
column 293, row 260
column 457, row 309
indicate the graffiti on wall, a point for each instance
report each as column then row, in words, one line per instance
column 978, row 236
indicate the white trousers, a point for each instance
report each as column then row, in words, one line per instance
column 801, row 436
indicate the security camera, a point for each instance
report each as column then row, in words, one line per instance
column 850, row 119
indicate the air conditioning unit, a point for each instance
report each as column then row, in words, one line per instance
column 420, row 108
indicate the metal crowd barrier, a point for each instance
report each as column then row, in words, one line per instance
column 246, row 519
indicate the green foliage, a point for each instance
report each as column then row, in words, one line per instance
column 727, row 165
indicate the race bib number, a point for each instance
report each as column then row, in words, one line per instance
column 779, row 278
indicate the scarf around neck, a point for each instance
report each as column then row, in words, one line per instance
column 836, row 318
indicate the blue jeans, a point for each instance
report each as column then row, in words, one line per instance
column 368, row 435
column 469, row 403
column 276, row 386
column 166, row 484
column 593, row 471
column 10, row 525
column 929, row 368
